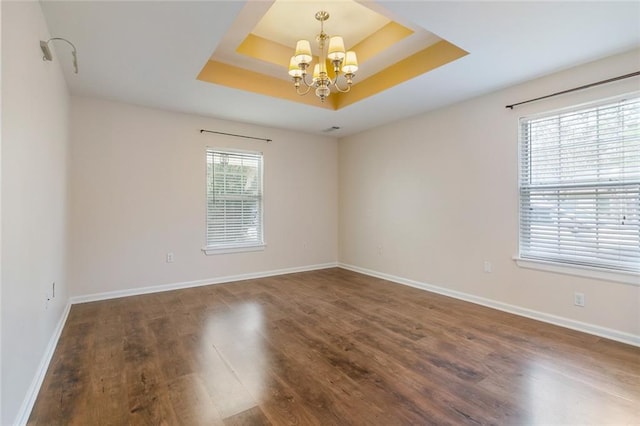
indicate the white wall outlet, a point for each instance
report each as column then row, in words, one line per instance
column 487, row 266
column 169, row 257
column 578, row 299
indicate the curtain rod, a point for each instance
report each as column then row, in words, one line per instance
column 237, row 136
column 586, row 86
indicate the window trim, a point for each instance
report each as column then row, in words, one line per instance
column 209, row 251
column 238, row 247
column 625, row 277
column 593, row 272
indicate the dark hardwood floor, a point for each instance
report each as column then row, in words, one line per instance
column 328, row 347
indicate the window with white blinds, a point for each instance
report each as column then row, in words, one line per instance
column 234, row 199
column 580, row 186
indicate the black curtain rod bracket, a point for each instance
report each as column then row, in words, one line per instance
column 586, row 86
column 237, row 136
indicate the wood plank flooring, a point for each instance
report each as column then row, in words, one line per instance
column 328, row 347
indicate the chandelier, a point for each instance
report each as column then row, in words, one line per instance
column 346, row 62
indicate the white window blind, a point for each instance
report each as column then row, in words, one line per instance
column 234, row 199
column 580, row 186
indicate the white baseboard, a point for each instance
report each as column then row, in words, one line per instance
column 36, row 383
column 198, row 283
column 608, row 333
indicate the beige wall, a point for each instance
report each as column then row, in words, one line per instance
column 432, row 197
column 35, row 109
column 138, row 192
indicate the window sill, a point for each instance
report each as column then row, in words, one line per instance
column 237, row 249
column 581, row 271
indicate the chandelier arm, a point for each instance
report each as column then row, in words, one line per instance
column 335, row 84
column 348, row 78
column 306, row 83
column 302, row 93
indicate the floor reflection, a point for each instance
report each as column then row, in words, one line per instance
column 237, row 357
column 556, row 396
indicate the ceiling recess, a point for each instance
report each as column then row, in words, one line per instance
column 255, row 54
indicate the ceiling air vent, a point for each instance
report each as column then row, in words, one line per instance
column 331, row 129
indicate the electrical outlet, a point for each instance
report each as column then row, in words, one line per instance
column 578, row 299
column 169, row 257
column 487, row 266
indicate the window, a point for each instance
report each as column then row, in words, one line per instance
column 580, row 186
column 234, row 201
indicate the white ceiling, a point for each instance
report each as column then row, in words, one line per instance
column 150, row 52
column 354, row 21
